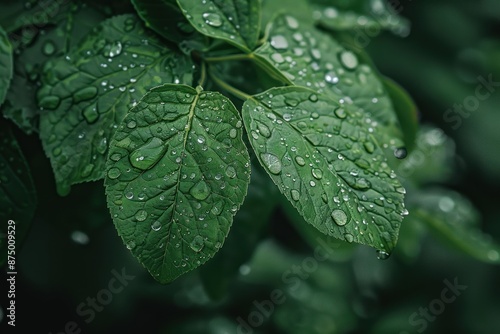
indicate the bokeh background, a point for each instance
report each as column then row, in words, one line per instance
column 452, row 178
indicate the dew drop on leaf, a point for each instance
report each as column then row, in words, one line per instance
column 156, row 226
column 200, row 190
column 114, row 173
column 295, row 194
column 400, row 153
column 141, row 215
column 279, row 42
column 148, row 154
column 271, row 162
column 197, row 244
column 382, row 255
column 339, row 217
column 348, row 60
column 212, row 19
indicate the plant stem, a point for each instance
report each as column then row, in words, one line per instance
column 203, row 76
column 224, row 85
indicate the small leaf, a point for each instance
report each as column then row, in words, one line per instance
column 17, row 192
column 236, row 22
column 85, row 95
column 372, row 15
column 313, row 59
column 5, row 64
column 326, row 161
column 177, row 173
column 454, row 220
column 165, row 17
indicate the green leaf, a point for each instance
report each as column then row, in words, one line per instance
column 56, row 41
column 165, row 17
column 371, row 15
column 301, row 9
column 311, row 58
column 85, row 95
column 326, row 161
column 236, row 22
column 5, row 64
column 177, row 173
column 454, row 220
column 17, row 192
column 405, row 109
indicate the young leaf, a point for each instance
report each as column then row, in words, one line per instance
column 177, row 173
column 56, row 41
column 236, row 22
column 5, row 64
column 85, row 95
column 311, row 58
column 327, row 163
column 165, row 17
column 17, row 192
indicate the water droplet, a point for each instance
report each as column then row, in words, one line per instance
column 362, row 184
column 114, row 173
column 278, row 58
column 90, row 114
column 80, row 237
column 113, row 49
column 331, row 77
column 49, row 48
column 340, row 113
column 131, row 124
column 300, row 161
column 85, row 94
column 348, row 237
column 317, row 173
column 115, row 156
column 400, row 153
column 231, row 172
column 212, row 19
column 291, row 102
column 348, row 59
column 313, row 98
column 131, row 245
column 292, row 22
column 272, row 163
column 279, row 42
column 382, row 255
column 200, row 190
column 148, row 154
column 369, row 146
column 233, row 133
column 141, row 215
column 156, row 226
column 339, row 217
column 197, row 244
column 295, row 194
column 217, row 208
column 264, row 130
column 49, row 102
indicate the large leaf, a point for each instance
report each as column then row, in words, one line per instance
column 56, row 41
column 371, row 15
column 325, row 160
column 5, row 64
column 311, row 58
column 177, row 173
column 17, row 192
column 86, row 94
column 165, row 17
column 454, row 220
column 236, row 22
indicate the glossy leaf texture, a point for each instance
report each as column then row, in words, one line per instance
column 324, row 158
column 311, row 58
column 371, row 15
column 454, row 221
column 165, row 17
column 237, row 22
column 56, row 41
column 5, row 64
column 86, row 94
column 177, row 173
column 17, row 192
